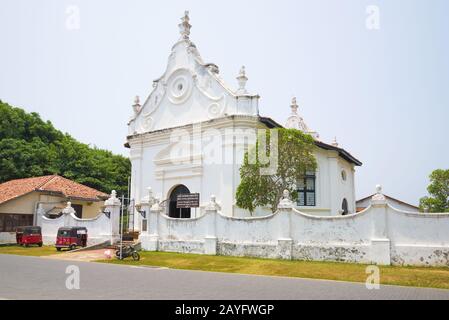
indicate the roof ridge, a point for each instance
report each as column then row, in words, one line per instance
column 50, row 178
column 75, row 182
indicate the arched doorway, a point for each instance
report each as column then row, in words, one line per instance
column 344, row 207
column 174, row 212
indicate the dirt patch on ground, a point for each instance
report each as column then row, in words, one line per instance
column 91, row 255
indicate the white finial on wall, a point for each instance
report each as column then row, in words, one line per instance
column 285, row 202
column 378, row 189
column 378, row 198
column 185, row 26
column 242, row 79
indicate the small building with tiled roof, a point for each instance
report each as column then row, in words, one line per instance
column 364, row 203
column 20, row 198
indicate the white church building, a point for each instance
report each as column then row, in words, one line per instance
column 191, row 133
column 187, row 143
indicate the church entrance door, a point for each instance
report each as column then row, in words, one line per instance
column 174, row 212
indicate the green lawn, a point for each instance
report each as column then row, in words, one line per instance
column 30, row 251
column 405, row 276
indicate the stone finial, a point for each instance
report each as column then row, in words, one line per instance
column 113, row 200
column 212, row 205
column 378, row 197
column 149, row 198
column 285, row 202
column 335, row 142
column 136, row 105
column 68, row 209
column 242, row 79
column 156, row 206
column 185, row 26
column 294, row 106
column 379, row 189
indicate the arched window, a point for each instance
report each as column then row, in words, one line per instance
column 344, row 207
column 173, row 211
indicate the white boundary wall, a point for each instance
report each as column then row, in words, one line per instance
column 380, row 234
column 99, row 229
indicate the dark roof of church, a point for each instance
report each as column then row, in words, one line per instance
column 270, row 123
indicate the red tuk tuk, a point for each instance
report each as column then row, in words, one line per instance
column 71, row 237
column 26, row 236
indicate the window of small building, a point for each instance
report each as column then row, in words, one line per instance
column 307, row 190
column 78, row 210
column 10, row 222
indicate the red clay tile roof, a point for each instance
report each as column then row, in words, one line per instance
column 67, row 188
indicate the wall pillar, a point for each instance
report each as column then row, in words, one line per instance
column 210, row 240
column 380, row 243
column 67, row 212
column 113, row 205
column 285, row 241
column 150, row 238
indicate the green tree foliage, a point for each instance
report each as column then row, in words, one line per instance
column 295, row 157
column 30, row 147
column 438, row 191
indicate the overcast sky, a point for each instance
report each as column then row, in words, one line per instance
column 384, row 92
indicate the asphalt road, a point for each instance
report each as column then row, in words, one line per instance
column 41, row 278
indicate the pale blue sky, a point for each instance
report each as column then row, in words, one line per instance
column 383, row 93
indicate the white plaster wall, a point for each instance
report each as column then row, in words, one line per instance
column 346, row 188
column 7, row 237
column 98, row 229
column 380, row 234
column 417, row 238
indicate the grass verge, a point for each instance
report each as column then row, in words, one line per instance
column 404, row 276
column 34, row 251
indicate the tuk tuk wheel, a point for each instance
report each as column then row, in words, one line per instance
column 136, row 256
column 72, row 247
column 27, row 245
column 40, row 244
column 59, row 249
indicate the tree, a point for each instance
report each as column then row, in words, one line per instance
column 439, row 193
column 31, row 147
column 295, row 158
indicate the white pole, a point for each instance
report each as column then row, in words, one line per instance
column 121, row 227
